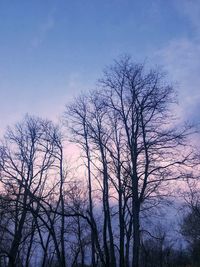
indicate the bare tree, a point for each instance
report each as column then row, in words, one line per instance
column 78, row 116
column 190, row 224
column 26, row 163
column 133, row 151
column 136, row 147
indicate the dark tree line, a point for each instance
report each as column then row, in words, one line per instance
column 134, row 153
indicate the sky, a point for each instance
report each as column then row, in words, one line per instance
column 50, row 51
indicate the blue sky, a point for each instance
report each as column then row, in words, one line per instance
column 52, row 50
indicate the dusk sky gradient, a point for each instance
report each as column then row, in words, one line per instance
column 50, row 51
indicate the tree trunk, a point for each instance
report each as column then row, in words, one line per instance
column 90, row 196
column 136, row 235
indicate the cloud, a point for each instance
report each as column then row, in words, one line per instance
column 181, row 60
column 191, row 10
column 180, row 57
column 45, row 27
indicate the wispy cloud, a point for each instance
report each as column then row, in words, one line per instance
column 44, row 29
column 191, row 10
column 180, row 57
